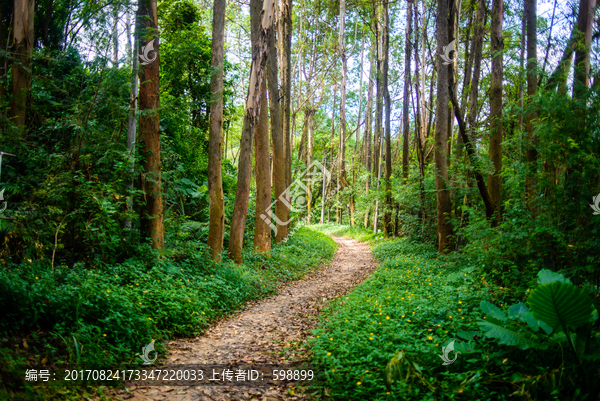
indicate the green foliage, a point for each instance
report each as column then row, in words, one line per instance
column 505, row 351
column 102, row 315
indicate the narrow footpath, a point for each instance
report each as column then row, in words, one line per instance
column 263, row 332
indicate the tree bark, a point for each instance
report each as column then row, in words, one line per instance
column 279, row 163
column 444, row 207
column 531, row 179
column 286, row 87
column 251, row 117
column 342, row 53
column 132, row 121
column 477, row 50
column 387, row 216
column 153, row 218
column 406, row 97
column 21, row 66
column 216, row 199
column 496, row 127
column 262, row 219
column 585, row 21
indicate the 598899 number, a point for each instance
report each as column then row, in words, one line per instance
column 293, row 375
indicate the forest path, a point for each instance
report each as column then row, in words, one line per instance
column 259, row 334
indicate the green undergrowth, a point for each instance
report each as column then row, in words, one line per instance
column 412, row 306
column 102, row 315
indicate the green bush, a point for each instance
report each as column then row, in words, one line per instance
column 103, row 315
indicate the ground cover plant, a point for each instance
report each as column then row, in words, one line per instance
column 384, row 340
column 75, row 316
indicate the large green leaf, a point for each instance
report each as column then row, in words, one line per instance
column 561, row 304
column 492, row 310
column 546, row 276
column 493, row 328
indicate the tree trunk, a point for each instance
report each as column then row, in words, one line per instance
column 369, row 117
column 444, row 207
column 342, row 54
column 251, row 117
column 216, row 199
column 585, row 21
column 132, row 121
column 477, row 50
column 387, row 216
column 496, row 105
column 531, row 179
column 406, row 97
column 153, row 218
column 279, row 164
column 286, row 87
column 262, row 218
column 23, row 48
column 309, row 160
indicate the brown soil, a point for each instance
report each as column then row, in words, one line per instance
column 270, row 331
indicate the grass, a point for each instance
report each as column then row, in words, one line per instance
column 416, row 303
column 102, row 315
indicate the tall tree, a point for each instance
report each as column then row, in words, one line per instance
column 133, row 100
column 531, row 22
column 444, row 206
column 286, row 88
column 387, row 216
column 342, row 52
column 21, row 66
column 585, row 21
column 251, row 116
column 406, row 96
column 279, row 163
column 216, row 199
column 262, row 221
column 153, row 218
column 496, row 105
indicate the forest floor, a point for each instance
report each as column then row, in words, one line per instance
column 268, row 332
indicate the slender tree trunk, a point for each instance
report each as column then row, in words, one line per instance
column 444, row 207
column 531, row 180
column 251, row 116
column 477, row 54
column 387, row 216
column 342, row 52
column 420, row 123
column 496, row 127
column 21, row 66
column 115, row 35
column 153, row 218
column 369, row 117
column 286, row 87
column 406, row 97
column 309, row 160
column 585, row 21
column 521, row 65
column 262, row 220
column 278, row 142
column 323, row 196
column 216, row 199
column 132, row 121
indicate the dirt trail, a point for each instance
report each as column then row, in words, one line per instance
column 259, row 333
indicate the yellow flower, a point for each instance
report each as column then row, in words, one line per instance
column 36, row 278
column 408, row 320
column 104, row 335
column 460, row 302
column 329, row 354
column 358, row 383
column 107, row 290
column 331, row 339
column 370, row 338
column 450, row 317
column 430, row 338
column 366, row 371
column 149, row 318
column 387, row 318
column 332, row 370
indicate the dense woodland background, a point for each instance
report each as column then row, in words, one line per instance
column 488, row 150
